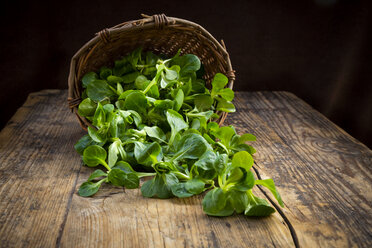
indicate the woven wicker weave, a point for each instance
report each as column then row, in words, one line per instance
column 159, row 34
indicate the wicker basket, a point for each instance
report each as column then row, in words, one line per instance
column 159, row 34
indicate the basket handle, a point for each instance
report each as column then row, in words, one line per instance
column 161, row 20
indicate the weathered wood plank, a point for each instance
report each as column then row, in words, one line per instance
column 38, row 172
column 323, row 174
column 115, row 219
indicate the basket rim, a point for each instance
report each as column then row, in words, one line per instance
column 147, row 22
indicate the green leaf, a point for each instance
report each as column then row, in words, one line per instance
column 134, row 134
column 195, row 124
column 172, row 73
column 119, row 89
column 191, row 146
column 88, row 78
column 245, row 183
column 105, row 72
column 164, row 83
column 257, row 207
column 176, row 123
column 246, row 137
column 99, row 136
column 99, row 90
column 113, row 80
column 194, row 186
column 124, row 166
column 239, row 200
column 269, row 183
column 219, row 82
column 213, row 127
column 113, row 152
column 215, row 203
column 156, row 187
column 205, row 166
column 221, row 162
column 94, row 155
column 244, row 147
column 226, row 94
column 147, row 154
column 209, row 139
column 198, row 87
column 117, row 126
column 135, row 56
column 125, row 94
column 83, row 143
column 99, row 116
column 156, row 133
column 225, row 106
column 151, row 58
column 119, row 178
column 235, row 175
column 141, row 82
column 96, row 174
column 207, row 160
column 189, row 63
column 132, row 181
column 242, row 159
column 186, row 87
column 170, row 179
column 202, row 102
column 89, row 188
column 224, row 134
column 163, row 167
column 153, row 92
column 87, row 107
column 179, row 190
column 130, row 78
column 136, row 117
column 136, row 101
column 84, row 94
column 194, row 114
column 122, row 67
column 148, row 189
column 108, row 108
column 178, row 100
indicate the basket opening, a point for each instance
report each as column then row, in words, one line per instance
column 165, row 41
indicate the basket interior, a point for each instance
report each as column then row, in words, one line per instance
column 165, row 41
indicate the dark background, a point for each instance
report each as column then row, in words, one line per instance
column 318, row 49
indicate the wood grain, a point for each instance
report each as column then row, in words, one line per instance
column 38, row 171
column 40, row 175
column 323, row 174
column 116, row 219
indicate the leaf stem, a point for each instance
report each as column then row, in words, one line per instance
column 224, row 147
column 145, row 174
column 152, row 83
column 180, row 175
column 142, row 66
column 106, row 165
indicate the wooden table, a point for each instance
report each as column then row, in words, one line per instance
column 323, row 174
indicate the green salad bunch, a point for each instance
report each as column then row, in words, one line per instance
column 153, row 116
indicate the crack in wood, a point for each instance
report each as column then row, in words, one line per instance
column 286, row 220
column 63, row 224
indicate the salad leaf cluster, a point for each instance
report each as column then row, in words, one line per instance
column 153, row 116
